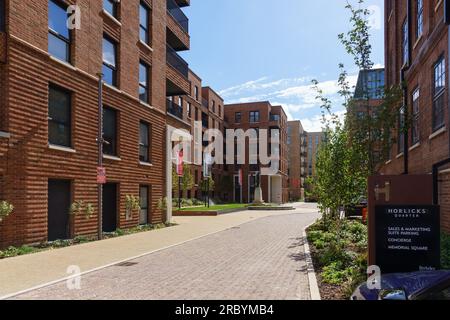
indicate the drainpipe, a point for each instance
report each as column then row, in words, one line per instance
column 405, row 91
column 100, row 156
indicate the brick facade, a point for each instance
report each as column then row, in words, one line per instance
column 270, row 117
column 27, row 161
column 425, row 51
column 297, row 160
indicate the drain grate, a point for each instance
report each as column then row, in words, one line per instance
column 126, row 264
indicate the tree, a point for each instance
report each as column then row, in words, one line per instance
column 187, row 180
column 356, row 148
column 369, row 131
column 207, row 184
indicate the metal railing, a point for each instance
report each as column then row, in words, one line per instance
column 174, row 109
column 274, row 117
column 176, row 61
column 205, row 103
column 178, row 14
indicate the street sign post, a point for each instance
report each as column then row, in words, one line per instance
column 101, row 175
column 180, row 175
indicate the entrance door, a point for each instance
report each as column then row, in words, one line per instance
column 144, row 197
column 59, row 199
column 251, row 187
column 110, row 207
column 237, row 196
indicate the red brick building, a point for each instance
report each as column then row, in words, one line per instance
column 204, row 106
column 259, row 115
column 49, row 111
column 297, row 160
column 417, row 46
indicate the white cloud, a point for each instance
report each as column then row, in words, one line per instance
column 261, row 84
column 314, row 124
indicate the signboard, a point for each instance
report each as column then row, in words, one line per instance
column 402, row 192
column 101, row 175
column 407, row 238
column 180, row 163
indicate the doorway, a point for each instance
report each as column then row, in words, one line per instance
column 59, row 200
column 237, row 195
column 109, row 207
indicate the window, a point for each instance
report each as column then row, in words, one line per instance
column 144, row 23
column 144, row 143
column 189, row 109
column 401, row 134
column 419, row 21
column 143, row 200
column 109, row 62
column 196, row 114
column 109, row 131
column 58, row 33
column 110, row 6
column 196, row 92
column 213, row 106
column 144, row 82
column 237, row 117
column 415, row 117
column 438, row 94
column 405, row 42
column 59, row 117
column 2, row 15
column 220, row 110
column 254, row 116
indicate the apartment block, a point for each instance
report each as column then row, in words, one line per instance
column 204, row 106
column 258, row 116
column 314, row 140
column 49, row 97
column 297, row 160
column 416, row 54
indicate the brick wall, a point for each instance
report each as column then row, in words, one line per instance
column 28, row 162
column 425, row 52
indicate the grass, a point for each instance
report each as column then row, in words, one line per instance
column 217, row 207
column 24, row 250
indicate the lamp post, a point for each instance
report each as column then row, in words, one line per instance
column 100, row 156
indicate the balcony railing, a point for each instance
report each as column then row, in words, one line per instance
column 176, row 61
column 174, row 109
column 274, row 117
column 205, row 103
column 178, row 15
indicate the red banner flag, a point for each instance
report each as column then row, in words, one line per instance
column 180, row 163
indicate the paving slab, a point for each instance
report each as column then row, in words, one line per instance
column 25, row 272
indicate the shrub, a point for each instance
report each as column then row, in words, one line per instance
column 335, row 273
column 5, row 209
column 13, row 251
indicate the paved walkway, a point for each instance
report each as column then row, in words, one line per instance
column 247, row 255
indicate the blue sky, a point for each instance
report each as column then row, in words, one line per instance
column 251, row 50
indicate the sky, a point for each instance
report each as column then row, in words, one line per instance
column 251, row 50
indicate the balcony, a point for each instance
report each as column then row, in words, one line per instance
column 174, row 10
column 274, row 120
column 174, row 109
column 177, row 27
column 205, row 120
column 177, row 74
column 275, row 117
column 177, row 62
column 205, row 103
